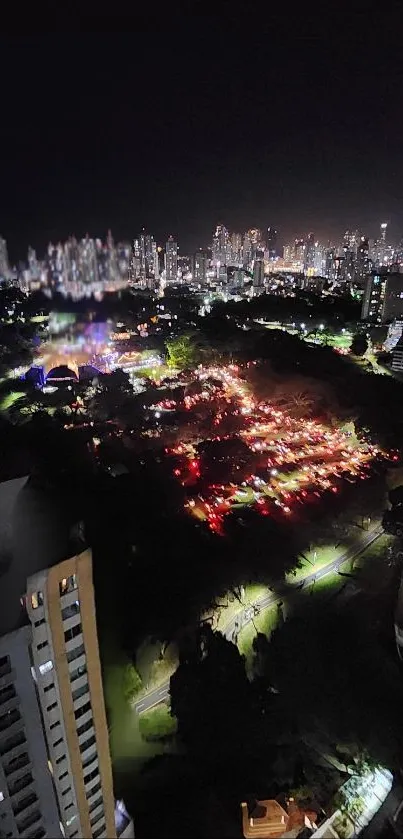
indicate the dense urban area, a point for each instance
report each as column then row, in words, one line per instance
column 224, row 432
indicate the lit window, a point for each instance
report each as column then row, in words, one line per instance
column 45, row 667
column 36, row 599
column 67, row 584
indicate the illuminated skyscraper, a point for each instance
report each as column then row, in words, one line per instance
column 221, row 246
column 147, row 249
column 236, row 249
column 171, row 260
column 255, row 240
column 363, row 262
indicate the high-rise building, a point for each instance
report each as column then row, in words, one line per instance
column 319, row 260
column 383, row 298
column 288, row 253
column 55, row 769
column 61, row 607
column 395, row 332
column 147, row 250
column 363, row 262
column 157, row 265
column 246, row 251
column 236, row 249
column 221, row 250
column 309, row 252
column 330, row 264
column 299, row 250
column 171, row 260
column 33, row 265
column 255, row 239
column 5, row 272
column 200, row 266
column 272, row 237
column 258, row 269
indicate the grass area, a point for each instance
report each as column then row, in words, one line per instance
column 265, row 622
column 229, row 607
column 157, row 724
column 369, row 567
column 376, row 550
column 315, row 559
column 126, row 743
column 155, row 670
column 10, row 398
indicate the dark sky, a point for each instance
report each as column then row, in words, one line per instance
column 296, row 124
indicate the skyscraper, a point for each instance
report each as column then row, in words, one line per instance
column 299, row 250
column 236, row 249
column 272, row 236
column 200, row 266
column 5, row 272
column 258, row 269
column 309, row 252
column 221, row 246
column 171, row 260
column 254, row 237
column 363, row 262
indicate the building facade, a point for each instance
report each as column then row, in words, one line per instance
column 28, row 805
column 61, row 607
column 171, row 261
column 55, row 768
column 383, row 298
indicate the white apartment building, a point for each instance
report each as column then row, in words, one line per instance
column 55, row 767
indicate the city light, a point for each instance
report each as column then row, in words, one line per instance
column 297, row 460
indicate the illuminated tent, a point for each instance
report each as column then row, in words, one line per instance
column 62, row 374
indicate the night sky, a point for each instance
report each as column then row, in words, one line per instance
column 296, row 125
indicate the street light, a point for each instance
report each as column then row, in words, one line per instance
column 321, row 326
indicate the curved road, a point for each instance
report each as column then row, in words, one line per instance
column 234, row 626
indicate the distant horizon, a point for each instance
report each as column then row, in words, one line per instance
column 328, row 241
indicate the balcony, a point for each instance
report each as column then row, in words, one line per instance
column 8, row 719
column 5, row 669
column 17, row 763
column 28, row 821
column 23, row 803
column 6, row 694
column 12, row 742
column 20, row 784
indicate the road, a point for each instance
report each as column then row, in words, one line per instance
column 234, row 626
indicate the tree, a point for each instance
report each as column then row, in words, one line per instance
column 182, row 352
column 359, row 344
column 114, row 398
column 337, row 657
column 131, row 682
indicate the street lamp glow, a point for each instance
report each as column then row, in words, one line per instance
column 302, row 326
column 321, row 326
